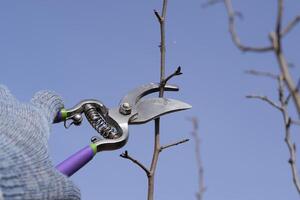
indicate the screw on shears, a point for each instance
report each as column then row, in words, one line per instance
column 112, row 124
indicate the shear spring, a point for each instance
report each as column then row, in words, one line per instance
column 99, row 123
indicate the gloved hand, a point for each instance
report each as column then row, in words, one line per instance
column 26, row 171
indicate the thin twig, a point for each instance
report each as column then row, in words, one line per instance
column 290, row 26
column 138, row 163
column 288, row 139
column 200, row 168
column 173, row 144
column 176, row 73
column 265, row 99
column 262, row 73
column 234, row 36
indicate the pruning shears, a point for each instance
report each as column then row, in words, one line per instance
column 112, row 124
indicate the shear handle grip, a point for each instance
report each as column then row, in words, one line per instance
column 72, row 164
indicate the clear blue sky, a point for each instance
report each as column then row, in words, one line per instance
column 102, row 49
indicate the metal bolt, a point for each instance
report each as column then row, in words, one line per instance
column 125, row 108
column 77, row 119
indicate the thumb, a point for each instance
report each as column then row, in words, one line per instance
column 49, row 102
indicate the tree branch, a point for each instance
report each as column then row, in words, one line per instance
column 261, row 73
column 275, row 38
column 265, row 99
column 176, row 73
column 173, row 144
column 161, row 19
column 138, row 163
column 290, row 26
column 288, row 139
column 234, row 36
column 199, row 162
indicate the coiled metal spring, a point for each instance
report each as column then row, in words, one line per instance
column 99, row 123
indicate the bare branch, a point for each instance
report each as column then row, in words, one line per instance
column 176, row 73
column 265, row 99
column 138, row 163
column 156, row 148
column 173, row 144
column 234, row 36
column 200, row 168
column 262, row 73
column 211, row 3
column 291, row 146
column 275, row 38
column 285, row 79
column 159, row 18
column 290, row 26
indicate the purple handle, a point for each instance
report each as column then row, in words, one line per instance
column 72, row 164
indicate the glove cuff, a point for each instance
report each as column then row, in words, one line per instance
column 49, row 102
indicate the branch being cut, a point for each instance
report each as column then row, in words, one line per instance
column 157, row 149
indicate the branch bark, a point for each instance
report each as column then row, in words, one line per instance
column 288, row 140
column 275, row 38
column 138, row 163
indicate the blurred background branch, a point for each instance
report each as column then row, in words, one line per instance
column 200, row 169
column 284, row 79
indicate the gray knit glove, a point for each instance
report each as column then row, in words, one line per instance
column 26, row 171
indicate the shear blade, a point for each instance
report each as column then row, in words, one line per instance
column 135, row 95
column 148, row 109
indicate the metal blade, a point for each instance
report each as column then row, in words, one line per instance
column 135, row 95
column 152, row 108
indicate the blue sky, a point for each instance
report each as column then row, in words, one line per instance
column 102, row 49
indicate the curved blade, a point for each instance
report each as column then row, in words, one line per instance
column 152, row 108
column 136, row 94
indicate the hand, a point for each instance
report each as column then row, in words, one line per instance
column 26, row 171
